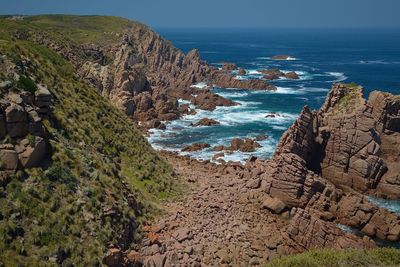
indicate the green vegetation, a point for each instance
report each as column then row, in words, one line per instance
column 350, row 101
column 341, row 258
column 102, row 179
column 27, row 84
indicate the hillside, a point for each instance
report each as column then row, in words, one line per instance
column 87, row 178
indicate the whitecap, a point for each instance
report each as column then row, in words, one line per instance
column 280, row 128
column 286, row 90
column 313, row 89
column 338, row 75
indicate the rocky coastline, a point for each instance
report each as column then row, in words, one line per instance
column 291, row 198
column 308, row 195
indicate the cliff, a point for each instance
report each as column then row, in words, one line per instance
column 140, row 72
column 329, row 161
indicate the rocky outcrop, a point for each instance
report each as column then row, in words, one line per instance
column 228, row 81
column 243, row 145
column 205, row 122
column 207, row 100
column 273, row 74
column 327, row 160
column 195, row 147
column 292, row 75
column 242, row 71
column 307, row 231
column 281, row 57
column 228, row 66
column 21, row 124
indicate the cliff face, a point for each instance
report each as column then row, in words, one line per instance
column 328, row 159
column 139, row 71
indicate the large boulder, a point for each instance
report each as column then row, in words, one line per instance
column 244, row 145
column 8, row 157
column 195, row 147
column 32, row 155
column 206, row 122
column 207, row 100
column 16, row 120
column 43, row 99
column 273, row 204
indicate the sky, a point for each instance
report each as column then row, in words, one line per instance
column 226, row 13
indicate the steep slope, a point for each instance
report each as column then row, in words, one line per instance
column 77, row 177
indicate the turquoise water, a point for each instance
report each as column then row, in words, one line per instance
column 369, row 58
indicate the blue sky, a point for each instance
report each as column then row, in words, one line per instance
column 227, row 13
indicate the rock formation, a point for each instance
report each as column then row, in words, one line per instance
column 21, row 123
column 280, row 57
column 225, row 80
column 207, row 100
column 328, row 159
column 195, row 147
column 206, row 122
column 273, row 74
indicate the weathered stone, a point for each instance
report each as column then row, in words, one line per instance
column 205, row 122
column 8, row 158
column 195, row 147
column 273, row 204
column 32, row 156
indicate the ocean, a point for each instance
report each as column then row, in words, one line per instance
column 370, row 58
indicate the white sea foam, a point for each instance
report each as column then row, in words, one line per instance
column 183, row 101
column 276, row 127
column 200, row 85
column 313, row 89
column 286, row 90
column 232, row 94
column 254, row 72
column 338, row 75
column 392, row 205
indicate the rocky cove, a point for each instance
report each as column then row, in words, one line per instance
column 296, row 183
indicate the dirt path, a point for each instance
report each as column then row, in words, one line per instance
column 218, row 223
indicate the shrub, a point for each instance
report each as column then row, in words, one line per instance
column 27, row 84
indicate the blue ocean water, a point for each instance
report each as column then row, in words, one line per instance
column 368, row 57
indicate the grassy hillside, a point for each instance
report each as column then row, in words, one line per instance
column 85, row 197
column 341, row 258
